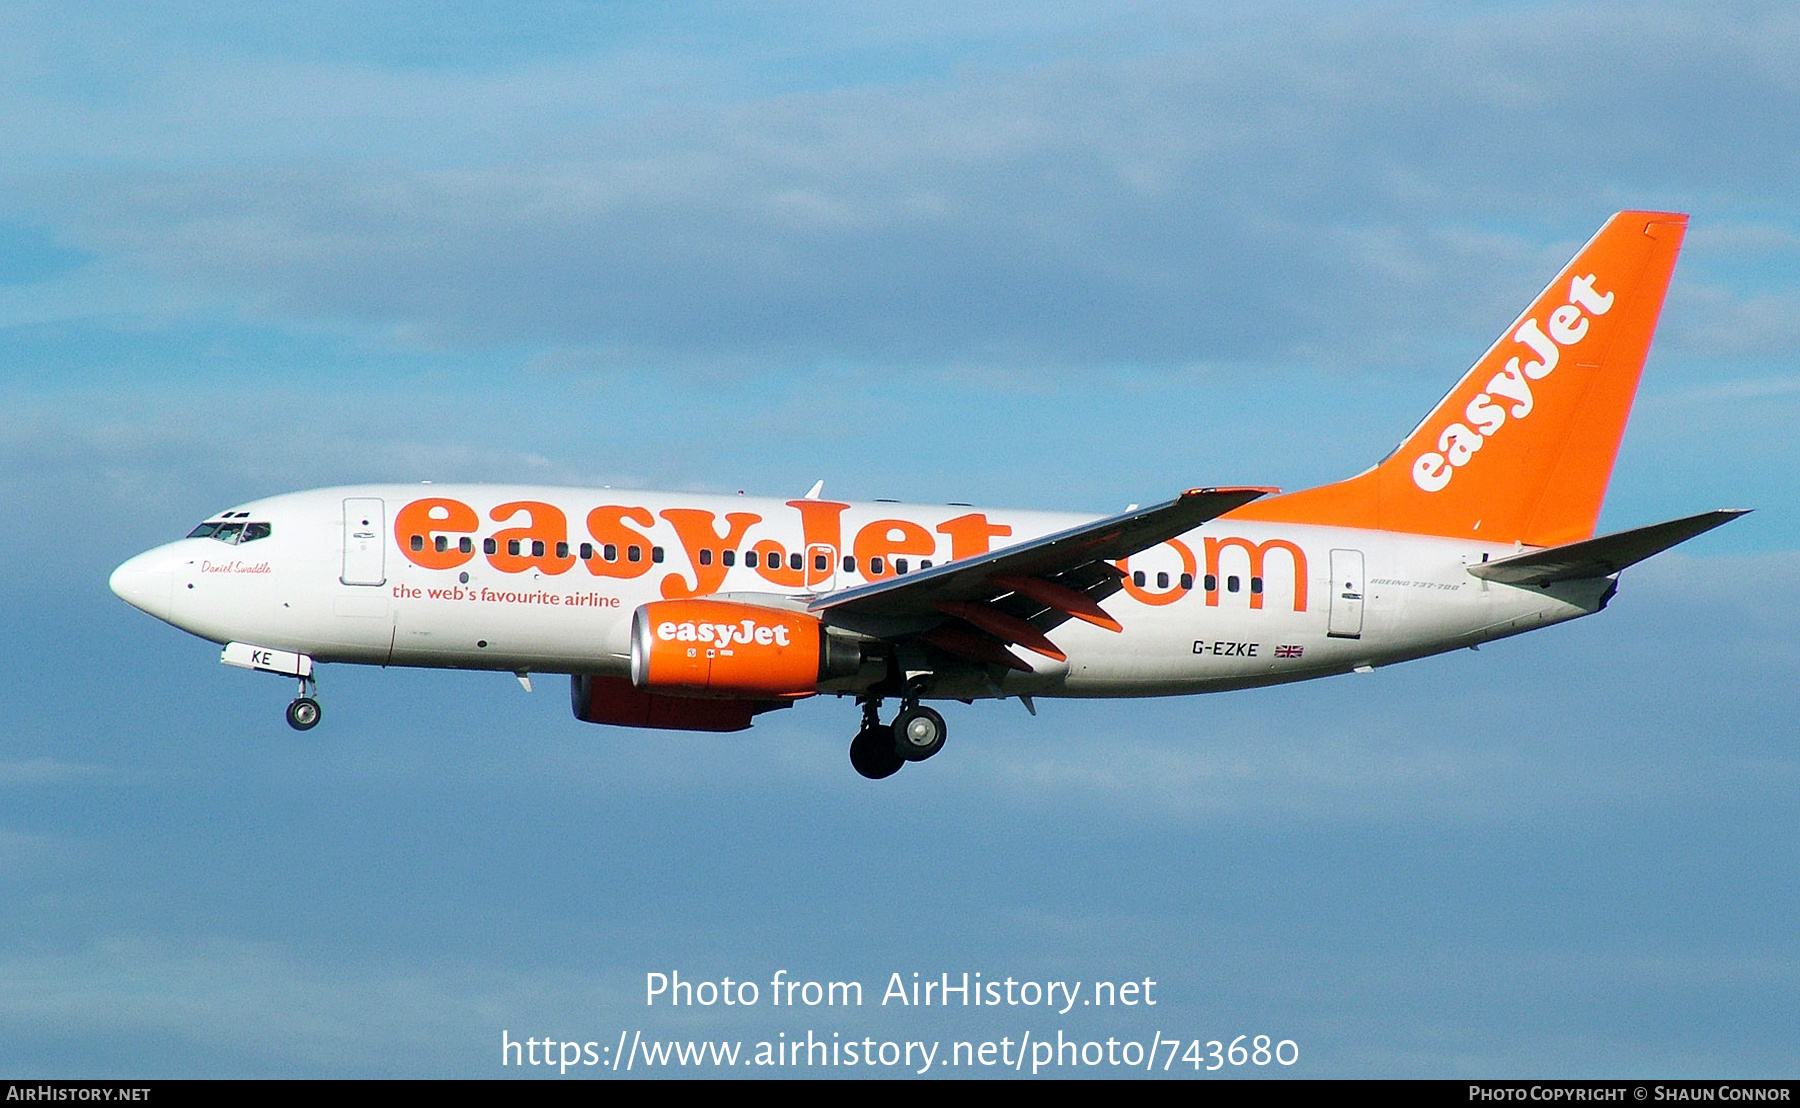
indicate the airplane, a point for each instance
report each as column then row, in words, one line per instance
column 698, row 613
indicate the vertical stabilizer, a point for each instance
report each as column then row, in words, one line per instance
column 1522, row 448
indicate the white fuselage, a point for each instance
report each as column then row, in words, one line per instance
column 1231, row 604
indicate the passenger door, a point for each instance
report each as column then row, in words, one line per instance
column 1346, row 595
column 365, row 543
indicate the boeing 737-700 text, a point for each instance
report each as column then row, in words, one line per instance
column 697, row 613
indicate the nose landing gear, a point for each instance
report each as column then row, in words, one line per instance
column 303, row 714
column 880, row 749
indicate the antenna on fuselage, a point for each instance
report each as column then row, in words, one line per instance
column 818, row 487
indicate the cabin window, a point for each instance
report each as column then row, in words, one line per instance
column 656, row 554
column 1256, row 584
column 610, row 553
column 489, row 546
column 1231, row 583
column 849, row 563
column 900, row 565
column 1187, row 580
column 537, row 548
column 1212, row 583
column 729, row 558
column 875, row 567
column 706, row 557
column 465, row 545
column 822, row 562
column 512, row 547
column 634, row 553
column 750, row 559
column 418, row 542
column 441, row 543
column 562, row 550
column 796, row 561
column 1162, row 580
column 1137, row 578
column 924, row 563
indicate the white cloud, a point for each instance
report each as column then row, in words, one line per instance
column 1342, row 188
column 19, row 849
column 47, row 771
column 1716, row 322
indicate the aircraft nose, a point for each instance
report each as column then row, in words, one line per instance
column 146, row 582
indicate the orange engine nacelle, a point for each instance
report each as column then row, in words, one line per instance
column 724, row 648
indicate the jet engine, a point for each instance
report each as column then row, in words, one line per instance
column 726, row 648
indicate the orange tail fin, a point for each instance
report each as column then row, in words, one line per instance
column 1522, row 448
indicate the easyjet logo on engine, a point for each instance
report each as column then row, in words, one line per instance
column 1509, row 391
column 722, row 634
column 721, row 646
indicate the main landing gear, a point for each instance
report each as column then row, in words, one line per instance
column 303, row 714
column 880, row 749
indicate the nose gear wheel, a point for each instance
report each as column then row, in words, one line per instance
column 303, row 714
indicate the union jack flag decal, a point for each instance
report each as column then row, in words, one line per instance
column 1289, row 651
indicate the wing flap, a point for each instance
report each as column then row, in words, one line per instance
column 974, row 647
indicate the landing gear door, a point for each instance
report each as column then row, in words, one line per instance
column 1346, row 595
column 365, row 547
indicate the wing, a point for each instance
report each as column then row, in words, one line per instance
column 973, row 607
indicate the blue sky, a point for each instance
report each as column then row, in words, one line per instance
column 1067, row 260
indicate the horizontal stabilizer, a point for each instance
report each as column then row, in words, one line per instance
column 1603, row 556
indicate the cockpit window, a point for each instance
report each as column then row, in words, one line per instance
column 231, row 531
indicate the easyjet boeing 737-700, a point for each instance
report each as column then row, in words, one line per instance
column 698, row 613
